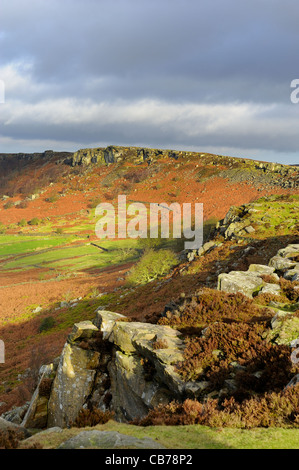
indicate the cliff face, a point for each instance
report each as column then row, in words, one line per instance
column 235, row 169
column 113, row 154
column 111, row 364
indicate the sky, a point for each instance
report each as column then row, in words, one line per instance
column 201, row 75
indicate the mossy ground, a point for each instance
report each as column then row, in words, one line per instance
column 187, row 437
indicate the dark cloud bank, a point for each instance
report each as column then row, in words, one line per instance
column 200, row 75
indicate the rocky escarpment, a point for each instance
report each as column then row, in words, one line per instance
column 127, row 367
column 114, row 154
column 261, row 175
column 234, row 169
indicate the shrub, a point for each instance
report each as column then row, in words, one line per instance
column 46, row 324
column 137, row 176
column 209, row 305
column 273, row 409
column 52, row 198
column 125, row 187
column 110, row 196
column 8, row 205
column 149, row 243
column 9, row 439
column 160, row 344
column 152, row 265
column 223, row 344
column 35, row 221
column 126, row 253
column 22, row 223
column 269, row 278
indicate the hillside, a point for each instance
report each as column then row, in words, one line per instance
column 54, row 272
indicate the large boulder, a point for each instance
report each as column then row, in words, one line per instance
column 272, row 289
column 83, row 331
column 248, row 283
column 292, row 274
column 132, row 370
column 290, row 251
column 75, row 376
column 142, row 373
column 284, row 328
column 72, row 385
column 108, row 440
column 105, row 321
column 133, row 390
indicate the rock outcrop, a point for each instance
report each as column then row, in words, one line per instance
column 284, row 325
column 112, row 364
column 238, row 170
column 284, row 263
column 108, row 440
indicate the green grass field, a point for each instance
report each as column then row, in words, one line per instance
column 27, row 252
column 189, row 437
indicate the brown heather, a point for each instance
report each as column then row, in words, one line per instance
column 273, row 409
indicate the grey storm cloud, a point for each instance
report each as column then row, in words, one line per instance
column 170, row 73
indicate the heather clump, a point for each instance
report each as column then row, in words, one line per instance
column 273, row 409
column 209, row 306
column 214, row 356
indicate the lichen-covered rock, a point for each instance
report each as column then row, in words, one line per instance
column 284, row 328
column 133, row 391
column 128, row 335
column 281, row 264
column 262, row 269
column 108, row 440
column 272, row 289
column 290, row 251
column 105, row 321
column 72, row 385
column 138, row 373
column 292, row 274
column 248, row 283
column 293, row 382
column 83, row 331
